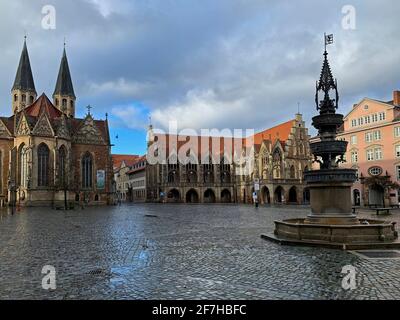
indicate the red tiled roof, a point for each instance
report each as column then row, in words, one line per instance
column 280, row 132
column 119, row 158
column 43, row 104
column 138, row 160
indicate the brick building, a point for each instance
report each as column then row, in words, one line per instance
column 48, row 156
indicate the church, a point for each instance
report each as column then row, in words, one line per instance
column 48, row 157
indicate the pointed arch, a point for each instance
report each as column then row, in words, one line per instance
column 43, row 155
column 62, row 165
column 87, row 171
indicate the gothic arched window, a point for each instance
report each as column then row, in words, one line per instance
column 43, row 165
column 62, row 165
column 87, row 171
column 23, row 156
column 292, row 172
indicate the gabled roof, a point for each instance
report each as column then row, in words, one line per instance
column 127, row 158
column 24, row 78
column 64, row 85
column 280, row 132
column 387, row 104
column 43, row 104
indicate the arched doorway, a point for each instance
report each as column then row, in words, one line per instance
column 306, row 196
column 174, row 195
column 279, row 195
column 209, row 196
column 356, row 197
column 292, row 195
column 192, row 196
column 226, row 196
column 265, row 196
column 376, row 195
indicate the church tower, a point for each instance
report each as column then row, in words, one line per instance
column 64, row 96
column 23, row 91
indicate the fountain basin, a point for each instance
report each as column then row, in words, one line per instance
column 365, row 234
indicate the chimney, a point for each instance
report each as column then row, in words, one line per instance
column 396, row 98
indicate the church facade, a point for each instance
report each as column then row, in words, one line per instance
column 48, row 156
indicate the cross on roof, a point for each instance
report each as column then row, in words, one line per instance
column 89, row 107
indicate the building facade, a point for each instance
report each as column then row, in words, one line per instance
column 137, row 181
column 122, row 164
column 372, row 129
column 48, row 156
column 280, row 156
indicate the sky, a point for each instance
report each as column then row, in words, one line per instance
column 238, row 64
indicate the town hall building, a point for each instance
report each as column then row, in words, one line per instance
column 48, row 157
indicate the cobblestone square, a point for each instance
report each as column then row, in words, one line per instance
column 176, row 252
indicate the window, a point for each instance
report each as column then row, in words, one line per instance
column 354, row 157
column 375, row 171
column 397, row 151
column 56, row 102
column 43, row 165
column 370, row 155
column 360, row 121
column 87, row 169
column 375, row 118
column 15, row 98
column 378, row 154
column 397, row 132
column 353, row 123
column 353, row 139
column 31, row 99
column 64, row 104
column 398, row 172
column 62, row 161
column 382, row 116
column 377, row 135
column 24, row 166
column 367, row 119
column 368, row 137
column 23, row 98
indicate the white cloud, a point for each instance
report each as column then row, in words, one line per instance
column 118, row 87
column 129, row 116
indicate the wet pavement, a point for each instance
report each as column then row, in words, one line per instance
column 151, row 251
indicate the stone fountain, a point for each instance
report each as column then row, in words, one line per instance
column 331, row 222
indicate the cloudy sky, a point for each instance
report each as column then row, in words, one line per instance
column 206, row 64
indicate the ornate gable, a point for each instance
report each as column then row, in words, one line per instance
column 88, row 133
column 62, row 130
column 43, row 127
column 4, row 132
column 23, row 128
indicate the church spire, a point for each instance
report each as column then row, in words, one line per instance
column 64, row 95
column 23, row 90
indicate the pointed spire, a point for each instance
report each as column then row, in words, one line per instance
column 325, row 84
column 24, row 78
column 64, row 85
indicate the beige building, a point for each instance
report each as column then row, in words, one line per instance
column 137, row 181
column 372, row 129
column 122, row 164
column 280, row 156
